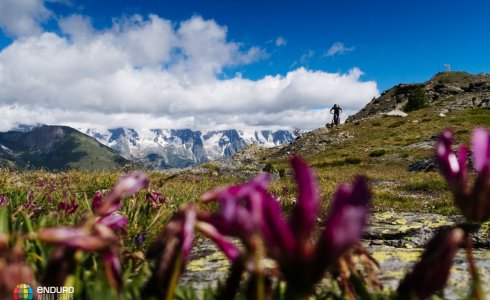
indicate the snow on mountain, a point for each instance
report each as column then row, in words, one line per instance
column 178, row 148
column 7, row 150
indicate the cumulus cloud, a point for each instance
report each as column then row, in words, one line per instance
column 22, row 17
column 147, row 72
column 338, row 48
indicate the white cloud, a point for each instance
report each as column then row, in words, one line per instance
column 78, row 27
column 149, row 72
column 280, row 41
column 338, row 48
column 22, row 17
column 304, row 59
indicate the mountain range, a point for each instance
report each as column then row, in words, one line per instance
column 60, row 147
column 178, row 148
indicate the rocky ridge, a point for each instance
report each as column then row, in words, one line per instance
column 446, row 90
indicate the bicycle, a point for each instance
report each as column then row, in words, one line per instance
column 335, row 119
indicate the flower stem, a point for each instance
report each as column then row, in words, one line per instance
column 175, row 278
column 476, row 290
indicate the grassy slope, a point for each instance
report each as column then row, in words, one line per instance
column 99, row 156
column 73, row 151
column 394, row 187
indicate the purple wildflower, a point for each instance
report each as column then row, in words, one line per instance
column 303, row 218
column 96, row 201
column 68, row 208
column 48, row 187
column 249, row 208
column 126, row 186
column 96, row 237
column 97, row 234
column 474, row 201
column 346, row 219
column 62, row 205
column 155, row 198
column 3, row 199
column 87, row 238
column 170, row 252
column 113, row 269
column 41, row 184
column 228, row 249
column 431, row 273
column 237, row 218
column 188, row 231
column 140, row 238
column 481, row 149
column 114, row 221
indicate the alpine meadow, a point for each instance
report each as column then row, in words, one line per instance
column 271, row 150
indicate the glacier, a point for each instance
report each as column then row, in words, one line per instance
column 180, row 148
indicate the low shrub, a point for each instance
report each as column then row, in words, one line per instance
column 396, row 124
column 377, row 153
column 417, row 100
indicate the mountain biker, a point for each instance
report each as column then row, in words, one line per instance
column 337, row 110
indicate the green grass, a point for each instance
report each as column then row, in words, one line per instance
column 396, row 124
column 377, row 153
column 394, row 136
column 433, row 182
column 211, row 167
column 25, row 218
column 449, row 77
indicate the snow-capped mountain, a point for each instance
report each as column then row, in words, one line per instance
column 178, row 148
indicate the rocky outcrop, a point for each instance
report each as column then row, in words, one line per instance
column 315, row 141
column 395, row 240
column 447, row 90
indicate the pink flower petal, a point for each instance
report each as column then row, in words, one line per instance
column 126, row 186
column 230, row 251
column 188, row 230
column 481, row 148
column 303, row 218
column 346, row 219
column 431, row 273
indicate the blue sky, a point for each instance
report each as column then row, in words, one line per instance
column 388, row 41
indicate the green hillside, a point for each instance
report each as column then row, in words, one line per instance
column 57, row 148
column 396, row 153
